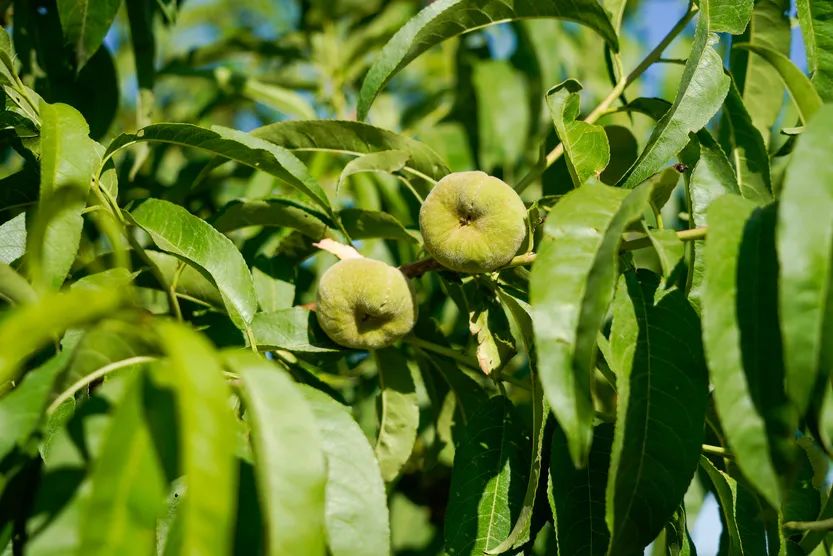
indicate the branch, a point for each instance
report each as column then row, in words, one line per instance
column 823, row 525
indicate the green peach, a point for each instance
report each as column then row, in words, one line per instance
column 365, row 304
column 472, row 222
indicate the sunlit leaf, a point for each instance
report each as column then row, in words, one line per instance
column 175, row 230
column 585, row 145
column 289, row 463
column 84, row 24
column 293, row 329
column 356, row 514
column 399, row 412
column 816, row 18
column 571, row 286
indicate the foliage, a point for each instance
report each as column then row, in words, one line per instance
column 177, row 176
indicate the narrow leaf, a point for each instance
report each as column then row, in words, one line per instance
column 487, row 480
column 748, row 151
column 729, row 16
column 207, row 439
column 363, row 224
column 382, row 161
column 28, row 328
column 742, row 422
column 240, row 147
column 577, row 496
column 13, row 239
column 585, row 145
column 356, row 514
column 127, row 485
column 399, row 412
column 175, row 230
column 448, row 18
column 801, row 90
column 571, row 286
column 289, row 462
column 68, row 159
column 816, row 18
column 354, row 138
column 292, row 329
column 703, row 87
column 280, row 213
column 502, row 118
column 662, row 389
column 805, row 244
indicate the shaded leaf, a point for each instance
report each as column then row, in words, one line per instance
column 571, row 286
column 293, row 329
column 356, row 514
column 127, row 490
column 748, row 151
column 805, row 243
column 585, row 145
column 740, row 512
column 13, row 287
column 363, row 224
column 489, row 327
column 281, row 213
column 28, row 328
column 448, row 18
column 175, row 230
column 662, row 388
column 669, row 248
column 487, row 480
column 503, row 120
column 703, row 87
column 398, row 412
column 577, row 496
column 289, row 462
column 354, row 138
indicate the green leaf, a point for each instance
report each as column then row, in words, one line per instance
column 816, row 18
column 503, row 119
column 669, row 248
column 28, row 328
column 758, row 82
column 175, row 230
column 577, row 496
column 22, row 409
column 662, row 388
column 85, row 23
column 362, row 224
column 281, row 213
column 293, row 329
column 487, row 480
column 729, row 16
column 624, row 150
column 748, row 151
column 585, row 145
column 191, row 282
column 712, row 177
column 128, row 485
column 521, row 531
column 356, row 514
column 238, row 146
column 67, row 161
column 805, row 242
column 13, row 239
column 13, row 287
column 382, row 161
column 399, row 412
column 736, row 402
column 448, row 18
column 207, row 438
column 799, row 87
column 571, row 286
column 289, row 462
column 274, row 282
column 490, row 329
column 353, row 138
column 703, row 87
column 740, row 512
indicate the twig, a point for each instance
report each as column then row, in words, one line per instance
column 823, row 525
column 716, row 451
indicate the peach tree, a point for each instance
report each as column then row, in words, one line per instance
column 376, row 277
